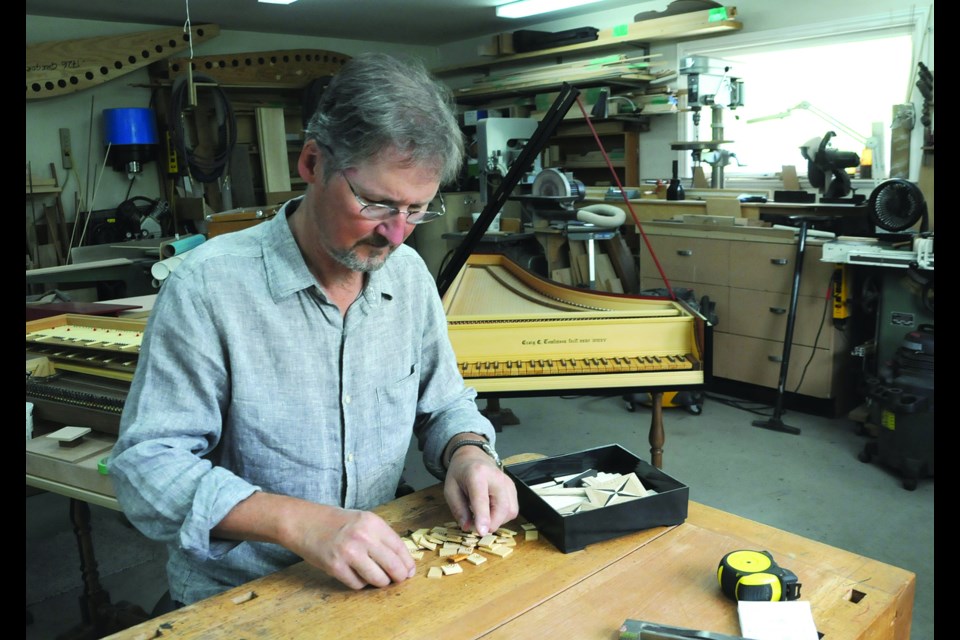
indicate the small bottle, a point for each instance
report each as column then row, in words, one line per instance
column 675, row 189
column 866, row 163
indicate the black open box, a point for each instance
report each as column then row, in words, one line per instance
column 574, row 532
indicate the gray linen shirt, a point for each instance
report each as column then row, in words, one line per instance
column 249, row 379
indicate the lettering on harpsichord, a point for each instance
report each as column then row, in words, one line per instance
column 552, row 341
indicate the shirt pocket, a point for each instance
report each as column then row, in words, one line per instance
column 396, row 413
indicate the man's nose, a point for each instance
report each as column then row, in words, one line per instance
column 394, row 228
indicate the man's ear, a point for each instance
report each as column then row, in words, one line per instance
column 310, row 163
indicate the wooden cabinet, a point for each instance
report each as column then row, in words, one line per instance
column 577, row 152
column 748, row 274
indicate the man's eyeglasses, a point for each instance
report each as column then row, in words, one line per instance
column 381, row 212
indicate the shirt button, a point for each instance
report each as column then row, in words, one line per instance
column 349, row 457
column 346, row 399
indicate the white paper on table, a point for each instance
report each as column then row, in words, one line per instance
column 792, row 620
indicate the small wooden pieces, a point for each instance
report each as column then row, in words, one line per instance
column 590, row 490
column 530, row 531
column 244, row 597
column 69, row 436
column 617, row 490
column 577, row 480
column 456, row 546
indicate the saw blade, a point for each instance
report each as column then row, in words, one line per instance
column 551, row 183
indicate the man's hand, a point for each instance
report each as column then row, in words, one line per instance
column 358, row 548
column 480, row 496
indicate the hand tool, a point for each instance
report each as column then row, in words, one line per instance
column 641, row 630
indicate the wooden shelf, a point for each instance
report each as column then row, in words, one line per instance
column 593, row 164
column 610, row 126
column 617, row 68
column 685, row 25
column 491, row 89
column 42, row 190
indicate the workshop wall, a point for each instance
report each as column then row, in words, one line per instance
column 756, row 15
column 81, row 112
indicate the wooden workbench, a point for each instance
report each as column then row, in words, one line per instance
column 665, row 575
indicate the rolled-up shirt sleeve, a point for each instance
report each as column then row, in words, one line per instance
column 172, row 420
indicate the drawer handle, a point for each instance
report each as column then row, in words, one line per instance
column 775, row 358
column 778, row 310
column 779, row 261
column 685, row 252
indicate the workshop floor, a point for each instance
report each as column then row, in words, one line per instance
column 811, row 484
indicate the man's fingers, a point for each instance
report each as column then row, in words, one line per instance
column 457, row 501
column 480, row 506
column 366, row 551
column 504, row 506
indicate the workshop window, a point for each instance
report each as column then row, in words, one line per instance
column 844, row 78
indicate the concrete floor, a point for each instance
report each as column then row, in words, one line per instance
column 810, row 484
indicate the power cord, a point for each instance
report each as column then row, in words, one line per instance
column 816, row 341
column 203, row 169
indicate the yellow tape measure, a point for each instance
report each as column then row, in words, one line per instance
column 754, row 576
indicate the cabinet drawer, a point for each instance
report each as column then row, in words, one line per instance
column 770, row 267
column 688, row 259
column 757, row 361
column 763, row 314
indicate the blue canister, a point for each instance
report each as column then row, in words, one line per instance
column 129, row 126
column 131, row 134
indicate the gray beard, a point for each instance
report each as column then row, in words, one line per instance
column 349, row 259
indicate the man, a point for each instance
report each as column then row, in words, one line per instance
column 285, row 367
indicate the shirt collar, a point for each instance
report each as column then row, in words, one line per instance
column 287, row 271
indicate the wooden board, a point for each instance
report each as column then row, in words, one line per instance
column 686, row 25
column 272, row 137
column 900, row 138
column 623, row 262
column 65, row 66
column 286, row 69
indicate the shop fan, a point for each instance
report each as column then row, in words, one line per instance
column 897, row 205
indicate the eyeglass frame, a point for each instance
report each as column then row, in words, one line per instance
column 393, row 211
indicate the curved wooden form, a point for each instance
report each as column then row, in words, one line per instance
column 66, row 66
column 288, row 69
